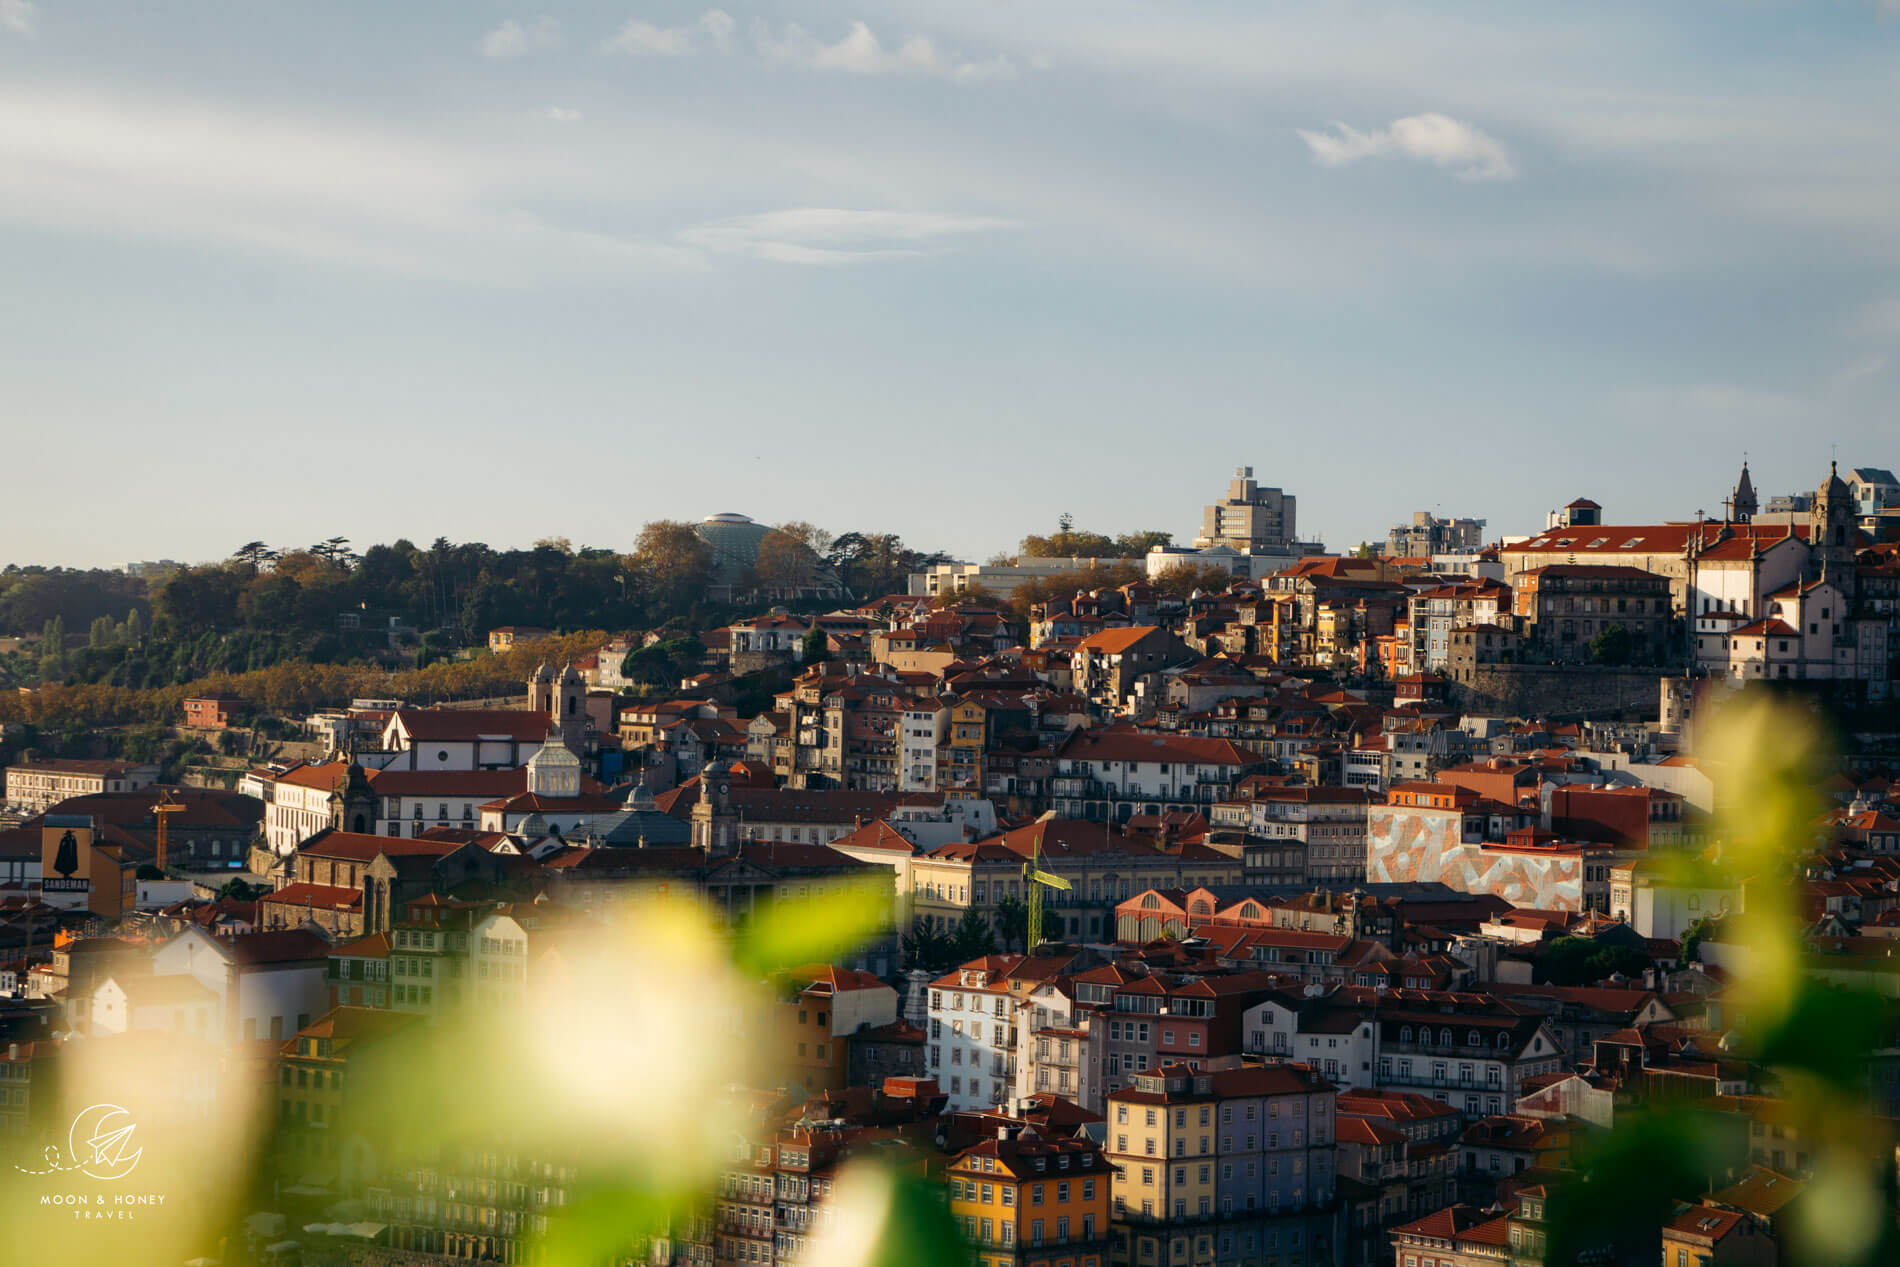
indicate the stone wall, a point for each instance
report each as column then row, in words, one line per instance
column 1558, row 691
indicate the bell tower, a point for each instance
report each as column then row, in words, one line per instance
column 715, row 825
column 541, row 691
column 1742, row 502
column 1832, row 532
column 570, row 703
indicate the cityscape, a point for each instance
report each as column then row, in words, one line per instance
column 639, row 633
column 1233, row 901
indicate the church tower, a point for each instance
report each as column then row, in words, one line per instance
column 1742, row 503
column 541, row 691
column 570, row 705
column 353, row 806
column 715, row 824
column 1831, row 531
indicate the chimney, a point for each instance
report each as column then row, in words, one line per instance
column 13, row 1051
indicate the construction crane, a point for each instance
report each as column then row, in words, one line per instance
column 1035, row 879
column 162, row 813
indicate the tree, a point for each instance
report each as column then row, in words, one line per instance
column 1183, row 579
column 1611, row 646
column 809, row 535
column 1135, row 545
column 1012, row 922
column 335, row 552
column 673, row 562
column 924, row 947
column 784, row 563
column 1692, row 940
column 1366, row 550
column 817, row 648
column 971, row 939
column 255, row 553
column 1583, row 961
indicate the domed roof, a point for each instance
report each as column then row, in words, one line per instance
column 544, row 673
column 1835, row 485
column 553, row 754
column 734, row 540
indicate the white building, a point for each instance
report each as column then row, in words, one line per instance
column 136, row 1003
column 920, row 735
column 971, row 1048
column 467, row 738
column 296, row 800
column 998, row 579
column 1058, row 1049
column 1654, row 906
column 267, row 985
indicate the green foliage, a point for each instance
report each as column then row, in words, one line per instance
column 1012, row 924
column 1612, row 646
column 972, row 938
column 31, row 596
column 788, row 933
column 923, row 947
column 1583, row 961
column 147, row 871
column 1066, row 543
column 1692, row 940
column 1182, row 581
column 870, row 563
column 817, row 649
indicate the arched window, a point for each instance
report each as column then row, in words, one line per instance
column 1444, row 1038
column 1405, row 1033
column 1474, row 1039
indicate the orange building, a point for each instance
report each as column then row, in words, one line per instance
column 1026, row 1199
column 821, row 1006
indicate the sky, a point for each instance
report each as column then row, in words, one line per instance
column 497, row 272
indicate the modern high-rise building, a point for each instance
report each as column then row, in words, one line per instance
column 1250, row 519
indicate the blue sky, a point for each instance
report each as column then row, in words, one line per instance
column 498, row 272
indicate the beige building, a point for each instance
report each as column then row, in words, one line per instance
column 36, row 786
column 1102, row 867
column 1249, row 519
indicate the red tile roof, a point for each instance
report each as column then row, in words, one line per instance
column 329, row 897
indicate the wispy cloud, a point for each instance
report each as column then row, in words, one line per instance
column 713, row 29
column 860, row 52
column 18, row 16
column 348, row 192
column 561, row 114
column 1427, row 138
column 516, row 39
column 832, row 235
column 1866, row 367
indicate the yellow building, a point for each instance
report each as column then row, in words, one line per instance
column 1025, row 1199
column 1164, row 1146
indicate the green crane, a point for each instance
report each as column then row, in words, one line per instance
column 1034, row 881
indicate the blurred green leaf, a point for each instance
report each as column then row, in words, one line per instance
column 1828, row 1031
column 605, row 1221
column 810, row 930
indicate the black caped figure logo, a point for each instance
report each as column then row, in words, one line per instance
column 66, row 861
